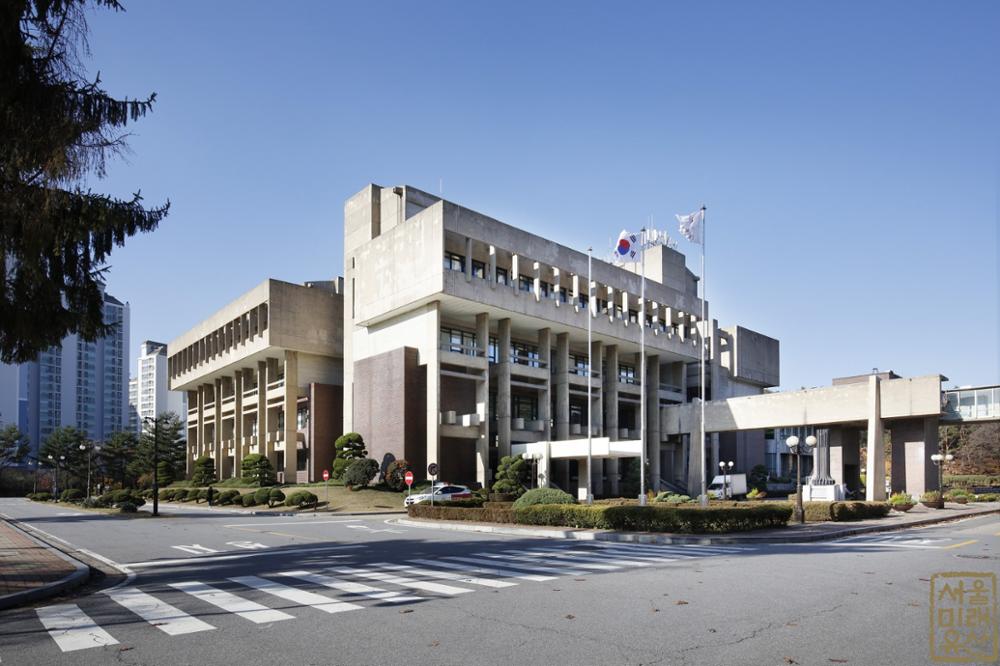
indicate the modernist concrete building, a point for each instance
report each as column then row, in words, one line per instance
column 465, row 340
column 264, row 375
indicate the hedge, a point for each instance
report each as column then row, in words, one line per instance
column 544, row 496
column 479, row 514
column 39, row 497
column 71, row 495
column 248, row 500
column 622, row 517
column 301, row 498
column 228, row 497
column 817, row 512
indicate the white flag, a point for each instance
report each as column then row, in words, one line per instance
column 691, row 225
column 628, row 247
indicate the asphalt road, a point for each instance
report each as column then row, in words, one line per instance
column 210, row 588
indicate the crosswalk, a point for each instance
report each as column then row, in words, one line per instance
column 344, row 587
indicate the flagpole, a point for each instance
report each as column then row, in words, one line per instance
column 590, row 373
column 642, row 381
column 704, row 330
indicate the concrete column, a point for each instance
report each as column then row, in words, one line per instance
column 545, row 393
column 432, row 330
column 202, row 448
column 562, row 386
column 596, row 392
column 713, row 469
column 556, row 285
column 483, row 472
column 238, row 424
column 264, row 447
column 652, row 444
column 611, row 412
column 468, row 260
column 875, row 472
column 515, row 276
column 576, row 292
column 291, row 399
column 536, row 287
column 503, row 386
column 845, row 456
column 220, row 454
column 821, row 460
column 914, row 441
column 492, row 268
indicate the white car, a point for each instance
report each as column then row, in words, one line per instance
column 443, row 492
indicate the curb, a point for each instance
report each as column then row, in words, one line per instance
column 80, row 576
column 669, row 539
column 284, row 514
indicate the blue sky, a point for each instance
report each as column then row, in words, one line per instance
column 848, row 153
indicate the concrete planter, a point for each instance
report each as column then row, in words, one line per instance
column 902, row 508
column 933, row 504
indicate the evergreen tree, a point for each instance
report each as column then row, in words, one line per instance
column 258, row 469
column 63, row 445
column 204, row 471
column 349, row 447
column 170, row 445
column 116, row 454
column 13, row 448
column 57, row 126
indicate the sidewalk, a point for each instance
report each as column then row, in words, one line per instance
column 31, row 570
column 794, row 533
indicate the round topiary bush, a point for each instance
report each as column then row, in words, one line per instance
column 395, row 473
column 261, row 495
column 71, row 495
column 227, row 497
column 165, row 494
column 360, row 473
column 248, row 500
column 275, row 496
column 128, row 507
column 40, row 497
column 543, row 496
column 107, row 499
column 191, row 495
column 301, row 498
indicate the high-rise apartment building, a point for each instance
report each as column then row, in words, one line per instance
column 78, row 383
column 149, row 395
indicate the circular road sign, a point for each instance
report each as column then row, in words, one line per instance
column 408, row 477
column 432, row 469
column 326, row 475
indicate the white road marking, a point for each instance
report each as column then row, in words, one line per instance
column 551, row 571
column 225, row 558
column 651, row 557
column 245, row 608
column 897, row 542
column 404, row 582
column 196, row 549
column 582, row 562
column 585, row 556
column 72, row 629
column 248, row 545
column 295, row 595
column 673, row 554
column 293, row 521
column 350, row 587
column 443, row 575
column 515, row 561
column 161, row 615
column 490, row 570
column 667, row 549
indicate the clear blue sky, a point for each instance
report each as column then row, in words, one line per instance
column 848, row 153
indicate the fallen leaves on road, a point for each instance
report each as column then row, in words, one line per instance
column 406, row 610
column 838, row 661
column 680, row 602
column 434, row 644
column 571, row 617
column 791, row 624
column 126, row 647
column 913, row 603
column 789, row 660
column 580, row 580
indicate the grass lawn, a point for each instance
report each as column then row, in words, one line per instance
column 340, row 498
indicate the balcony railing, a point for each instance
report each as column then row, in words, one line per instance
column 276, row 384
column 466, row 350
column 250, row 393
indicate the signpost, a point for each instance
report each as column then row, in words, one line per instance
column 432, row 470
column 408, row 477
column 326, row 482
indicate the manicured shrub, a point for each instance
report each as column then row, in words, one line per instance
column 653, row 518
column 107, row 499
column 986, row 497
column 757, row 478
column 202, row 495
column 672, row 498
column 275, row 496
column 93, row 503
column 128, row 507
column 71, row 495
column 859, row 510
column 512, row 476
column 395, row 473
column 191, row 495
column 360, row 473
column 301, row 498
column 349, row 446
column 166, row 495
column 257, row 469
column 248, row 500
column 897, row 499
column 164, row 473
column 931, row 496
column 227, row 497
column 544, row 496
column 261, row 495
column 448, row 512
column 204, row 471
column 40, row 497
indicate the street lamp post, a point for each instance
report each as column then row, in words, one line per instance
column 938, row 459
column 156, row 464
column 729, row 469
column 90, row 457
column 793, row 445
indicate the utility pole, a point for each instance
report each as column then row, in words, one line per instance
column 156, row 464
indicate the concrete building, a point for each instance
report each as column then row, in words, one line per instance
column 79, row 383
column 465, row 339
column 264, row 375
column 151, row 397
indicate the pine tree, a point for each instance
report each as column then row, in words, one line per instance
column 57, row 126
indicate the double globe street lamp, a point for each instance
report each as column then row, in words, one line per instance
column 94, row 448
column 726, row 467
column 938, row 459
column 793, row 445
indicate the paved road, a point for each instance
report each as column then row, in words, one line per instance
column 236, row 589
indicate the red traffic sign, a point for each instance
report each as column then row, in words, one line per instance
column 326, row 475
column 408, row 477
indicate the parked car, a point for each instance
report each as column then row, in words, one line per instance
column 443, row 492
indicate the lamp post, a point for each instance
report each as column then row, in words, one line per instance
column 90, row 457
column 793, row 445
column 937, row 459
column 729, row 481
column 156, row 464
column 722, row 468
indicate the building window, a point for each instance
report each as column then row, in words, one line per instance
column 524, row 407
column 302, row 418
column 525, row 354
column 478, row 269
column 501, row 275
column 525, row 283
column 578, row 364
column 546, row 288
column 454, row 262
column 458, row 341
column 492, row 353
column 626, row 374
column 633, row 316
